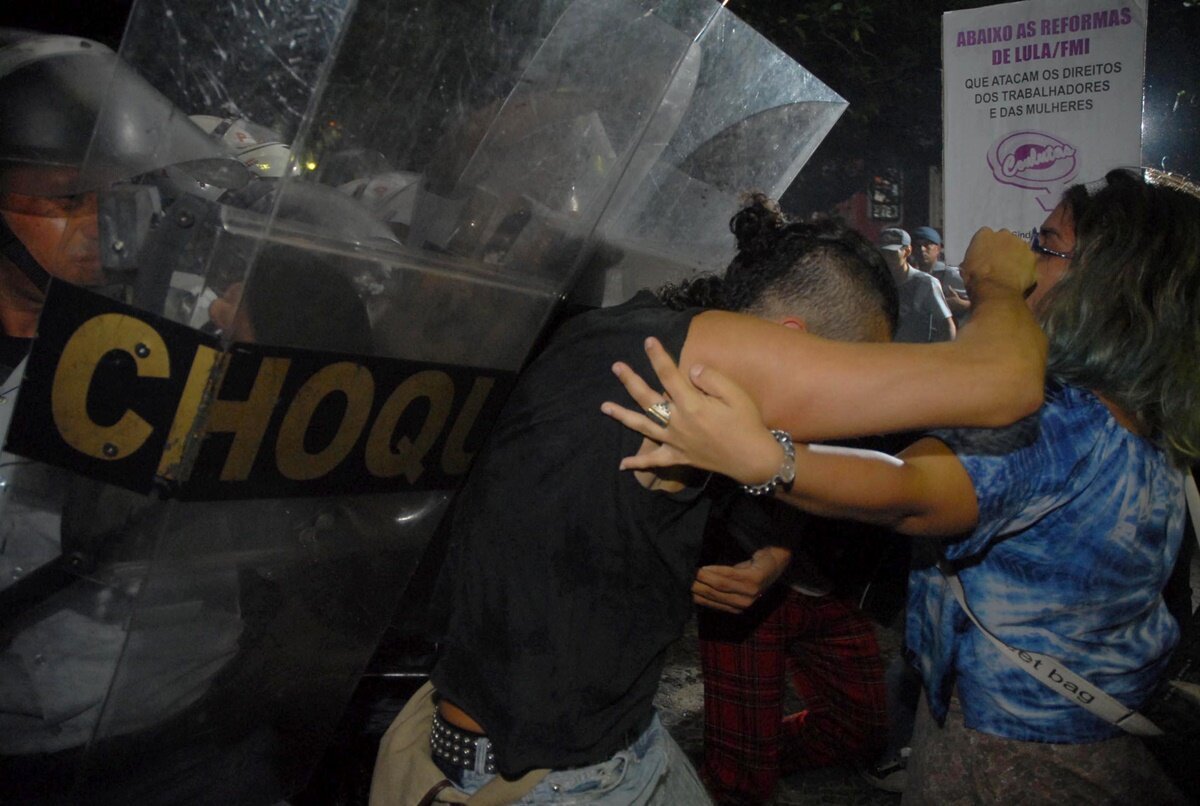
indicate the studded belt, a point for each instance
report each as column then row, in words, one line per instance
column 461, row 748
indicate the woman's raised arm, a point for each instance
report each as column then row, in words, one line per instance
column 819, row 389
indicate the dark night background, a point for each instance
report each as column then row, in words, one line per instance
column 883, row 57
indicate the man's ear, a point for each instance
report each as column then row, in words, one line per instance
column 795, row 323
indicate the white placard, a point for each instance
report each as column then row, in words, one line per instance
column 1038, row 95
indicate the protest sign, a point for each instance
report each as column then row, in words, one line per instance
column 1038, row 95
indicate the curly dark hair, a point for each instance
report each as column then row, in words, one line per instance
column 820, row 270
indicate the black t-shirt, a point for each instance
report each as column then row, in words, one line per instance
column 565, row 579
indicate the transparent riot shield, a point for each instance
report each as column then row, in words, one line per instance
column 740, row 115
column 228, row 458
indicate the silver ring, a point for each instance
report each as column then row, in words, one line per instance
column 660, row 412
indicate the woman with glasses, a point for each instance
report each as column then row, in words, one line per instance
column 1059, row 532
column 1054, row 241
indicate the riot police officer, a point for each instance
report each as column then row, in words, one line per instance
column 74, row 119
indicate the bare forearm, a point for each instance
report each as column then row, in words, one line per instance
column 818, row 389
column 924, row 492
column 1006, row 353
column 850, row 484
column 716, row 425
column 733, row 588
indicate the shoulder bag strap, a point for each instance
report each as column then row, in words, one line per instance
column 1051, row 673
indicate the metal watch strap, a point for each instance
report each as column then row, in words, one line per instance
column 787, row 470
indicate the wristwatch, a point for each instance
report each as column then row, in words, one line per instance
column 787, row 471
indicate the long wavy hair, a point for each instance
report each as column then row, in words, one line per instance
column 1125, row 319
column 823, row 271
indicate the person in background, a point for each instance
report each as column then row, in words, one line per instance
column 1055, row 535
column 927, row 256
column 924, row 315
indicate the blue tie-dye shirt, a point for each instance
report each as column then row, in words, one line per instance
column 1079, row 525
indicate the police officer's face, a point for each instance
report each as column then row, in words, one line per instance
column 60, row 232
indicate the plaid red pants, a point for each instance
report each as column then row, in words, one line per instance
column 828, row 647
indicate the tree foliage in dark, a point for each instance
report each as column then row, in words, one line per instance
column 883, row 56
column 885, row 59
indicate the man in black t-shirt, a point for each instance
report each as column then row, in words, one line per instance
column 566, row 580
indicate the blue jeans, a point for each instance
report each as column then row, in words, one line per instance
column 652, row 770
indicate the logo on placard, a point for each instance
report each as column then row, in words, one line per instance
column 1034, row 161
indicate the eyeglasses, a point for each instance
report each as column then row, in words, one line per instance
column 1036, row 246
